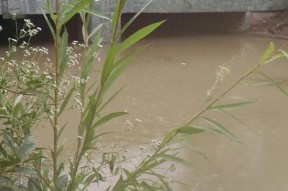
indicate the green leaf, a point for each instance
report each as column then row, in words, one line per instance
column 116, row 17
column 66, row 100
column 88, row 117
column 137, row 36
column 95, row 13
column 152, row 165
column 9, row 163
column 94, row 31
column 3, row 100
column 34, row 185
column 61, row 130
column 195, row 150
column 178, row 160
column 17, row 100
column 124, row 28
column 220, row 129
column 63, row 54
column 86, row 69
column 237, row 119
column 189, row 130
column 49, row 25
column 24, row 170
column 119, row 67
column 27, row 148
column 67, row 15
column 126, row 172
column 268, row 53
column 119, row 185
column 108, row 117
column 238, row 105
column 62, row 182
column 274, row 83
column 109, row 100
column 108, row 65
column 3, row 151
column 39, row 93
column 5, row 188
column 284, row 53
column 147, row 186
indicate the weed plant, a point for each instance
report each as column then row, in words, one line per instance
column 41, row 89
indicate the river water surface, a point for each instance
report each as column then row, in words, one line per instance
column 166, row 86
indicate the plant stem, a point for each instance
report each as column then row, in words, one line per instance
column 192, row 120
column 224, row 93
column 55, row 122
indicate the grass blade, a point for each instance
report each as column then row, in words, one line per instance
column 232, row 106
column 220, row 129
column 115, row 21
column 67, row 15
column 268, row 53
column 274, row 83
column 132, row 20
column 109, row 100
column 63, row 54
column 108, row 118
column 178, row 160
column 66, row 100
column 189, row 130
column 137, row 36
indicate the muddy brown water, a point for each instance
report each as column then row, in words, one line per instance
column 166, row 85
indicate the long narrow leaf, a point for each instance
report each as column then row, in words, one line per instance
column 220, row 129
column 116, row 17
column 237, row 119
column 63, row 54
column 108, row 118
column 178, row 160
column 95, row 13
column 274, row 83
column 268, row 53
column 132, row 19
column 108, row 65
column 232, row 106
column 137, row 36
column 76, row 9
column 66, row 100
column 52, row 30
column 195, row 150
column 109, row 100
column 188, row 130
column 95, row 30
column 120, row 66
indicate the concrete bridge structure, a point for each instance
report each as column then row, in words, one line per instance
column 28, row 7
column 157, row 6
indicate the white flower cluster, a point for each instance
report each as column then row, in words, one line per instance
column 29, row 29
column 155, row 143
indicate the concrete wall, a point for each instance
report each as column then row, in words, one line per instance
column 22, row 6
column 160, row 6
column 157, row 6
column 181, row 6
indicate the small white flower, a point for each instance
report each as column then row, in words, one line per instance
column 128, row 123
column 138, row 120
column 1, row 28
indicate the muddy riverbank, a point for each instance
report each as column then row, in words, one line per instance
column 271, row 24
